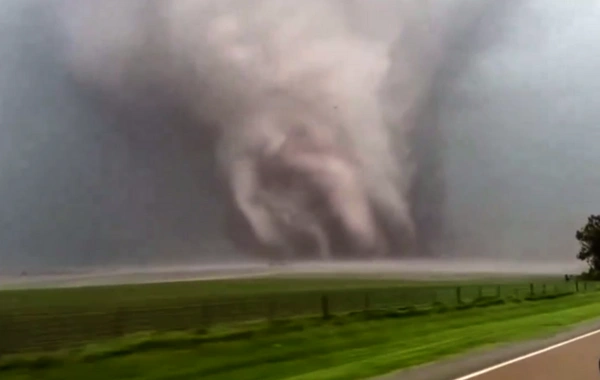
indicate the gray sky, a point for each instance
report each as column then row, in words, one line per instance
column 522, row 124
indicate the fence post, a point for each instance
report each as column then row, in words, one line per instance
column 207, row 314
column 325, row 306
column 480, row 291
column 458, row 295
column 272, row 309
column 367, row 302
column 531, row 289
column 118, row 328
column 5, row 329
column 3, row 342
column 498, row 291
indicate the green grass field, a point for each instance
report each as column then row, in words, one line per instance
column 141, row 294
column 186, row 293
column 347, row 347
column 49, row 319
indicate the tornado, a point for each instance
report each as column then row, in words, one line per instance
column 314, row 108
column 299, row 129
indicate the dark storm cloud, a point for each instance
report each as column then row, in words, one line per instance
column 492, row 126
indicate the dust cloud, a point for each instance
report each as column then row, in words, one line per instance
column 158, row 132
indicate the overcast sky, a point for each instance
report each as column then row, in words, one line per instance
column 522, row 122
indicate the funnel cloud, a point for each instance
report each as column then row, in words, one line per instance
column 147, row 131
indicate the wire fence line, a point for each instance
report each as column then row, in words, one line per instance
column 23, row 330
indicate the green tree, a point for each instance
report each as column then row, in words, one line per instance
column 589, row 240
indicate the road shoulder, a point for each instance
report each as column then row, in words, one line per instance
column 456, row 367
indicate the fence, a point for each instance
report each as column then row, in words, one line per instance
column 23, row 330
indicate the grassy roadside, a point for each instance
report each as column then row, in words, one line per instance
column 343, row 348
column 183, row 292
column 51, row 319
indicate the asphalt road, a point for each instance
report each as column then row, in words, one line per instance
column 571, row 354
column 577, row 358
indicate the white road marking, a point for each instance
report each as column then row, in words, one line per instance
column 527, row 356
